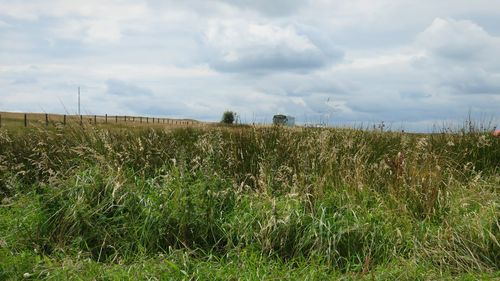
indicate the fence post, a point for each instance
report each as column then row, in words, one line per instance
column 25, row 120
column 147, row 119
column 64, row 119
column 81, row 120
column 140, row 119
column 46, row 119
column 95, row 119
column 125, row 118
column 116, row 119
column 106, row 118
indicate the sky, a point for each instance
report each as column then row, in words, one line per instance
column 411, row 64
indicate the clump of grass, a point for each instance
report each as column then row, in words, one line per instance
column 111, row 215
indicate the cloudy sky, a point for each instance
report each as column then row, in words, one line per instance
column 411, row 63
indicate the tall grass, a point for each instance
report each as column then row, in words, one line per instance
column 348, row 200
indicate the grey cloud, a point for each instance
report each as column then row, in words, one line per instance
column 164, row 109
column 269, row 8
column 470, row 80
column 24, row 80
column 479, row 85
column 274, row 8
column 397, row 110
column 319, row 85
column 124, row 89
column 264, row 61
column 414, row 95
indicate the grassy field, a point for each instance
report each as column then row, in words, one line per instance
column 16, row 120
column 218, row 203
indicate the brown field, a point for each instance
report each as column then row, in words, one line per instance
column 17, row 119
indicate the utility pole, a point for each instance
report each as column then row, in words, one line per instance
column 79, row 100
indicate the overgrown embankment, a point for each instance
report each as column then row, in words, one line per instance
column 275, row 202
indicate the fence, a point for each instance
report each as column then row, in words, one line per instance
column 57, row 119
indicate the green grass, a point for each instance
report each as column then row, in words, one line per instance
column 246, row 202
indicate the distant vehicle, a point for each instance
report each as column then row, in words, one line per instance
column 284, row 120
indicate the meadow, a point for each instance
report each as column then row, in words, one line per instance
column 18, row 120
column 251, row 203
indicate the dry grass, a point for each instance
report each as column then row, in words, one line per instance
column 16, row 120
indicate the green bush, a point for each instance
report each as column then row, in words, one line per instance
column 228, row 117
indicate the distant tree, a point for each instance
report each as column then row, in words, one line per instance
column 228, row 117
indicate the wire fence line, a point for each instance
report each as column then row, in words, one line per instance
column 26, row 119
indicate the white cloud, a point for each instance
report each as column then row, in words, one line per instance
column 3, row 24
column 88, row 31
column 91, row 21
column 457, row 40
column 247, row 46
column 240, row 36
column 271, row 8
column 111, row 9
column 433, row 78
column 103, row 30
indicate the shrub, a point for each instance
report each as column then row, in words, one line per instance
column 228, row 117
